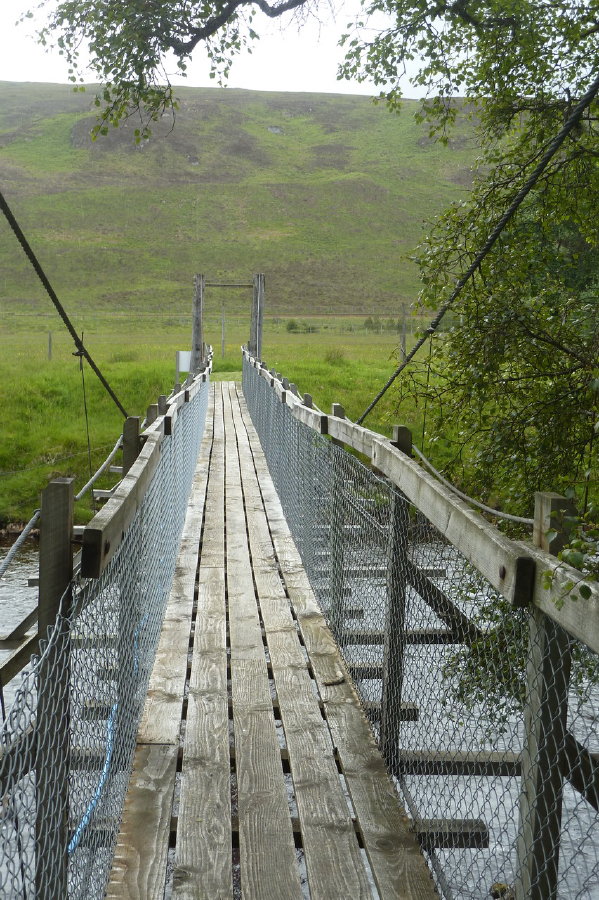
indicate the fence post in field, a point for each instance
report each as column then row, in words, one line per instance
column 131, row 442
column 53, row 721
column 197, row 336
column 545, row 714
column 255, row 345
column 394, row 644
column 337, row 532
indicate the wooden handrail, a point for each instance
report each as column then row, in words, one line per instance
column 520, row 572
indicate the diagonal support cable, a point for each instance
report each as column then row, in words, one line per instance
column 526, row 188
column 54, row 298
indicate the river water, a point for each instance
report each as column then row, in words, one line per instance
column 17, row 599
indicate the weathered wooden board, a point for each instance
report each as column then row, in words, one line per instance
column 103, row 535
column 139, row 865
column 495, row 556
column 203, row 864
column 266, row 844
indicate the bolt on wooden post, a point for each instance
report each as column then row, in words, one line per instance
column 53, row 718
column 545, row 715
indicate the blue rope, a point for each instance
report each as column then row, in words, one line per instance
column 97, row 795
column 91, row 807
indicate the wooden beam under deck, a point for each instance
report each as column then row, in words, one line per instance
column 256, row 771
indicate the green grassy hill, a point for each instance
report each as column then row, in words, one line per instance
column 324, row 193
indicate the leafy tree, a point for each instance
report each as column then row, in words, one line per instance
column 129, row 39
column 518, row 368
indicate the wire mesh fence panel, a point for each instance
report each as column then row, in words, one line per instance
column 92, row 678
column 498, row 771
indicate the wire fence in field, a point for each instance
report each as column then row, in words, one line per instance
column 448, row 674
column 68, row 740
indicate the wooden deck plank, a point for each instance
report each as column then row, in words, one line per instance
column 267, row 850
column 139, row 864
column 397, row 864
column 203, row 860
column 333, row 859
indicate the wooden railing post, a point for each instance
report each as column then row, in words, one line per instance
column 53, row 719
column 545, row 715
column 131, row 442
column 394, row 645
column 337, row 532
column 197, row 337
column 255, row 344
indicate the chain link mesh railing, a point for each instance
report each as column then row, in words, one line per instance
column 440, row 661
column 68, row 740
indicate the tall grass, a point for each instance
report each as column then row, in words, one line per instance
column 45, row 436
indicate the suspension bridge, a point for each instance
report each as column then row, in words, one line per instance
column 246, row 683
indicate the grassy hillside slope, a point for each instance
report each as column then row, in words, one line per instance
column 326, row 194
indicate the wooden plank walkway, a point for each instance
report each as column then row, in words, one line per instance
column 256, row 774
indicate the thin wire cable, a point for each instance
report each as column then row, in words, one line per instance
column 495, row 512
column 530, row 182
column 19, row 542
column 54, row 298
column 102, row 468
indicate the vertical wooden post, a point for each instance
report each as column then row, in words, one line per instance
column 394, row 645
column 152, row 413
column 131, row 442
column 49, row 345
column 222, row 331
column 197, row 338
column 545, row 715
column 53, row 723
column 255, row 345
column 162, row 405
column 337, row 532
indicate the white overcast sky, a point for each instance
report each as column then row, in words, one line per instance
column 287, row 60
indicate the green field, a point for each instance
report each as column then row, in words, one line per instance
column 335, row 359
column 325, row 194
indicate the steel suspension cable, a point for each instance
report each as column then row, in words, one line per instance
column 526, row 188
column 27, row 249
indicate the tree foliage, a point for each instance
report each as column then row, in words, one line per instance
column 128, row 41
column 513, row 385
